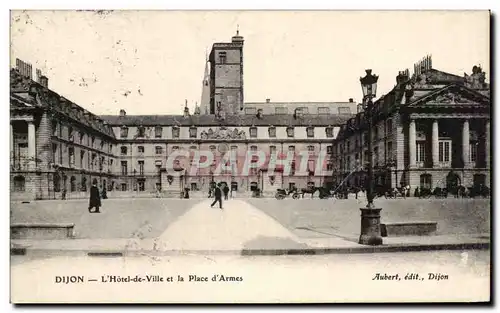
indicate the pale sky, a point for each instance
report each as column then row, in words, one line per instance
column 288, row 56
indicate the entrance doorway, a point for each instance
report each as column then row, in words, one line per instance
column 452, row 181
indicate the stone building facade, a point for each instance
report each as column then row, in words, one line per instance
column 431, row 130
column 55, row 145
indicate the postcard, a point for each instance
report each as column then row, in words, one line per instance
column 250, row 156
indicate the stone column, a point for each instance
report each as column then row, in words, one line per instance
column 31, row 145
column 465, row 143
column 487, row 143
column 412, row 137
column 435, row 143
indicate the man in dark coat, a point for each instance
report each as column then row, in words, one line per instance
column 218, row 196
column 95, row 199
column 226, row 192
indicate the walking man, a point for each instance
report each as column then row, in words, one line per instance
column 218, row 196
column 226, row 192
column 95, row 199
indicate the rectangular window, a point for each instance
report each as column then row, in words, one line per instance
column 253, row 132
column 389, row 150
column 329, row 149
column 389, row 127
column 310, row 132
column 141, row 167
column 375, row 156
column 420, row 151
column 222, row 57
column 141, row 185
column 444, row 150
column 329, row 166
column 158, row 131
column 123, row 150
column 272, row 132
column 310, row 148
column 158, row 149
column 124, row 167
column 124, row 187
column 290, row 132
column 175, row 132
column 140, row 150
column 193, row 132
column 329, row 132
column 71, row 152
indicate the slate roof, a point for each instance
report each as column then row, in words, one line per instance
column 230, row 120
column 25, row 89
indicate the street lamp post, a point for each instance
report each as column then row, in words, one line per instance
column 370, row 216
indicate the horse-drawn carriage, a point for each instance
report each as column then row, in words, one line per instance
column 283, row 193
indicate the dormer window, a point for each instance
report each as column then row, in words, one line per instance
column 253, row 132
column 158, row 131
column 280, row 110
column 141, row 131
column 124, row 132
column 175, row 132
column 303, row 110
column 310, row 132
column 290, row 132
column 329, row 132
column 193, row 132
column 272, row 132
column 323, row 110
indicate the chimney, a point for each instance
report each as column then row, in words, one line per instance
column 351, row 100
column 122, row 112
column 268, row 100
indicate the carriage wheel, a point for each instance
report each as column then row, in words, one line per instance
column 295, row 196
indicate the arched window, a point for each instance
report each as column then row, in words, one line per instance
column 425, row 181
column 57, row 182
column 72, row 182
column 19, row 183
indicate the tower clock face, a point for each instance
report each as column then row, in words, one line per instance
column 223, row 148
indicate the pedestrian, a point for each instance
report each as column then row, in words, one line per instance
column 63, row 195
column 218, row 196
column 104, row 193
column 226, row 191
column 95, row 199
